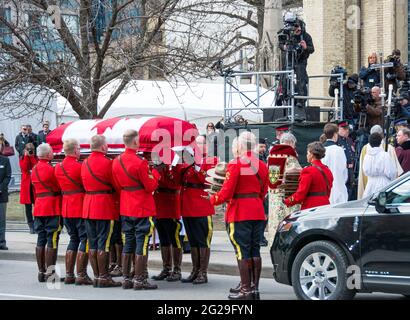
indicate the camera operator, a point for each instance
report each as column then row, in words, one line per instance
column 349, row 89
column 304, row 48
column 370, row 77
column 374, row 109
column 396, row 73
column 404, row 111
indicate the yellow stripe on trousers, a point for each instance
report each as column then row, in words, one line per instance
column 107, row 243
column 55, row 235
column 210, row 232
column 87, row 246
column 236, row 245
column 177, row 231
column 146, row 239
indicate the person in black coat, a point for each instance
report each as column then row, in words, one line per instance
column 5, row 176
column 42, row 135
column 22, row 139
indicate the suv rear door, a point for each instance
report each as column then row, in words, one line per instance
column 385, row 243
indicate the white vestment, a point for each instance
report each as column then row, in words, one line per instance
column 335, row 159
column 362, row 181
column 380, row 170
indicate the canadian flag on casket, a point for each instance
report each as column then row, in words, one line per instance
column 160, row 135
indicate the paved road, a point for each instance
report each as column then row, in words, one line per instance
column 18, row 280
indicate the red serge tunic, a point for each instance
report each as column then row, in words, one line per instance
column 137, row 185
column 194, row 202
column 68, row 174
column 26, row 165
column 47, row 190
column 243, row 190
column 313, row 191
column 168, row 195
column 100, row 200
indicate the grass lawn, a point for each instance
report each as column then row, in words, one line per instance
column 15, row 210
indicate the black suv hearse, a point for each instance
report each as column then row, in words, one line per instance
column 333, row 252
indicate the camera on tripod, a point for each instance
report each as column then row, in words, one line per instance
column 361, row 99
column 390, row 72
column 287, row 36
column 335, row 81
column 405, row 85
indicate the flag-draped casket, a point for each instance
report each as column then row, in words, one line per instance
column 160, row 135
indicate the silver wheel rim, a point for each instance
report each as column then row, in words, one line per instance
column 318, row 276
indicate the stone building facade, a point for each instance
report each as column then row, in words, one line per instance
column 345, row 32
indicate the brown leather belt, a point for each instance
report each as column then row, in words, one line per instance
column 69, row 193
column 48, row 194
column 100, row 192
column 166, row 190
column 317, row 194
column 246, row 196
column 194, row 186
column 132, row 188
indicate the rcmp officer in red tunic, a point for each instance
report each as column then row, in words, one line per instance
column 167, row 221
column 244, row 189
column 315, row 182
column 68, row 175
column 137, row 207
column 99, row 209
column 197, row 211
column 47, row 212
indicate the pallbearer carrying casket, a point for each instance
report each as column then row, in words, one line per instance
column 68, row 175
column 99, row 209
column 136, row 182
column 47, row 212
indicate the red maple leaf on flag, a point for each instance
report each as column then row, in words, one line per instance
column 104, row 125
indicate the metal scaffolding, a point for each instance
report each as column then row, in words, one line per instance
column 273, row 90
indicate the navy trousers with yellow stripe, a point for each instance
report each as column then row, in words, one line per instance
column 199, row 231
column 48, row 230
column 137, row 232
column 245, row 237
column 169, row 231
column 99, row 234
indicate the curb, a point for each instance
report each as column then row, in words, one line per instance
column 214, row 268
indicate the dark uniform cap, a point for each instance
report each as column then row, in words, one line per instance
column 401, row 122
column 262, row 141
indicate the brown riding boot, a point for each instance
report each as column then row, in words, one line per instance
column 140, row 279
column 195, row 266
column 51, row 259
column 237, row 289
column 126, row 270
column 70, row 258
column 166, row 264
column 41, row 263
column 256, row 274
column 92, row 254
column 202, row 277
column 104, row 278
column 117, row 270
column 112, row 258
column 245, row 293
column 177, row 258
column 82, row 278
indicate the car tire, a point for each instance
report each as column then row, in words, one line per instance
column 319, row 272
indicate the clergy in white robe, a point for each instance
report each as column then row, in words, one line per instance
column 378, row 166
column 362, row 180
column 336, row 161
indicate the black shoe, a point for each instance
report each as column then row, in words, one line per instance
column 264, row 243
column 3, row 247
